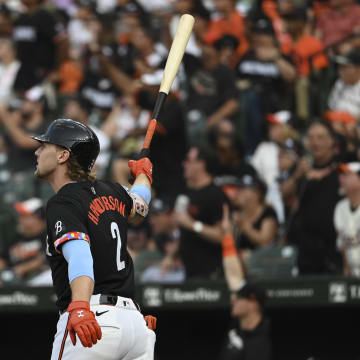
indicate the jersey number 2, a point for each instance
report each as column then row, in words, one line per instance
column 115, row 233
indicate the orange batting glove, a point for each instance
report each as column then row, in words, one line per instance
column 82, row 323
column 141, row 166
column 150, row 321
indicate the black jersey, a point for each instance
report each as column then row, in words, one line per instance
column 96, row 212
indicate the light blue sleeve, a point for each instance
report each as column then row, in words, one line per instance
column 143, row 191
column 78, row 255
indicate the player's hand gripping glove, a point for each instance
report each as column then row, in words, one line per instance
column 82, row 323
column 141, row 166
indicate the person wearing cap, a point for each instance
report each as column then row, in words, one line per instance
column 345, row 93
column 23, row 257
column 265, row 67
column 347, row 218
column 212, row 94
column 248, row 336
column 264, row 76
column 265, row 158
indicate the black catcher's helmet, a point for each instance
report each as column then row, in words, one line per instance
column 76, row 137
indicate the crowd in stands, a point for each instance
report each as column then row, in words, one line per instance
column 262, row 120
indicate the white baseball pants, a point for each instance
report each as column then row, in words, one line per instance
column 125, row 335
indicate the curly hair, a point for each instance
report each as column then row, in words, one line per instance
column 76, row 173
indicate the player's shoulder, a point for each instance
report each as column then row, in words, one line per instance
column 69, row 193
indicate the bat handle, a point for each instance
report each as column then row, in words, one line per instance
column 152, row 125
column 160, row 99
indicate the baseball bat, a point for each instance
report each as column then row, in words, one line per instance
column 173, row 61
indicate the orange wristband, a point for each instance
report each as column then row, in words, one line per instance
column 228, row 246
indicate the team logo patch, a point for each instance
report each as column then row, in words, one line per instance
column 58, row 227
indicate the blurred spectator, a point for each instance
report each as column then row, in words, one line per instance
column 42, row 44
column 338, row 22
column 228, row 22
column 249, row 334
column 138, row 239
column 82, row 28
column 345, row 126
column 139, row 55
column 9, row 68
column 211, row 92
column 125, row 126
column 345, row 94
column 226, row 47
column 24, row 258
column 23, row 117
column 311, row 227
column 202, row 19
column 229, row 152
column 5, row 21
column 255, row 222
column 198, row 212
column 161, row 263
column 265, row 77
column 79, row 109
column 266, row 157
column 347, row 218
column 306, row 51
column 289, row 154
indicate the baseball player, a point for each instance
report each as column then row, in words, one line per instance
column 92, row 271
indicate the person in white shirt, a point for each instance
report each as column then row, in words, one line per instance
column 347, row 218
column 9, row 67
column 345, row 94
column 266, row 157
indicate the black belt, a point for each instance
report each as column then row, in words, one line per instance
column 112, row 300
column 108, row 299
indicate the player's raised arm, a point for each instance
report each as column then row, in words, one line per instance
column 141, row 190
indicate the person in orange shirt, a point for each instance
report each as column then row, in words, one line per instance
column 306, row 51
column 229, row 22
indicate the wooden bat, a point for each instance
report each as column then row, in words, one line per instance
column 173, row 61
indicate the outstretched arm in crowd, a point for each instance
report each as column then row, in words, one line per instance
column 233, row 268
column 11, row 122
column 212, row 233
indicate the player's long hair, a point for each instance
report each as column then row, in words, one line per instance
column 76, row 173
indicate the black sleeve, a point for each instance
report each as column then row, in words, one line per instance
column 65, row 221
column 217, row 201
column 269, row 212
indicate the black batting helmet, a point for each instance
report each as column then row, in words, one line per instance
column 76, row 137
